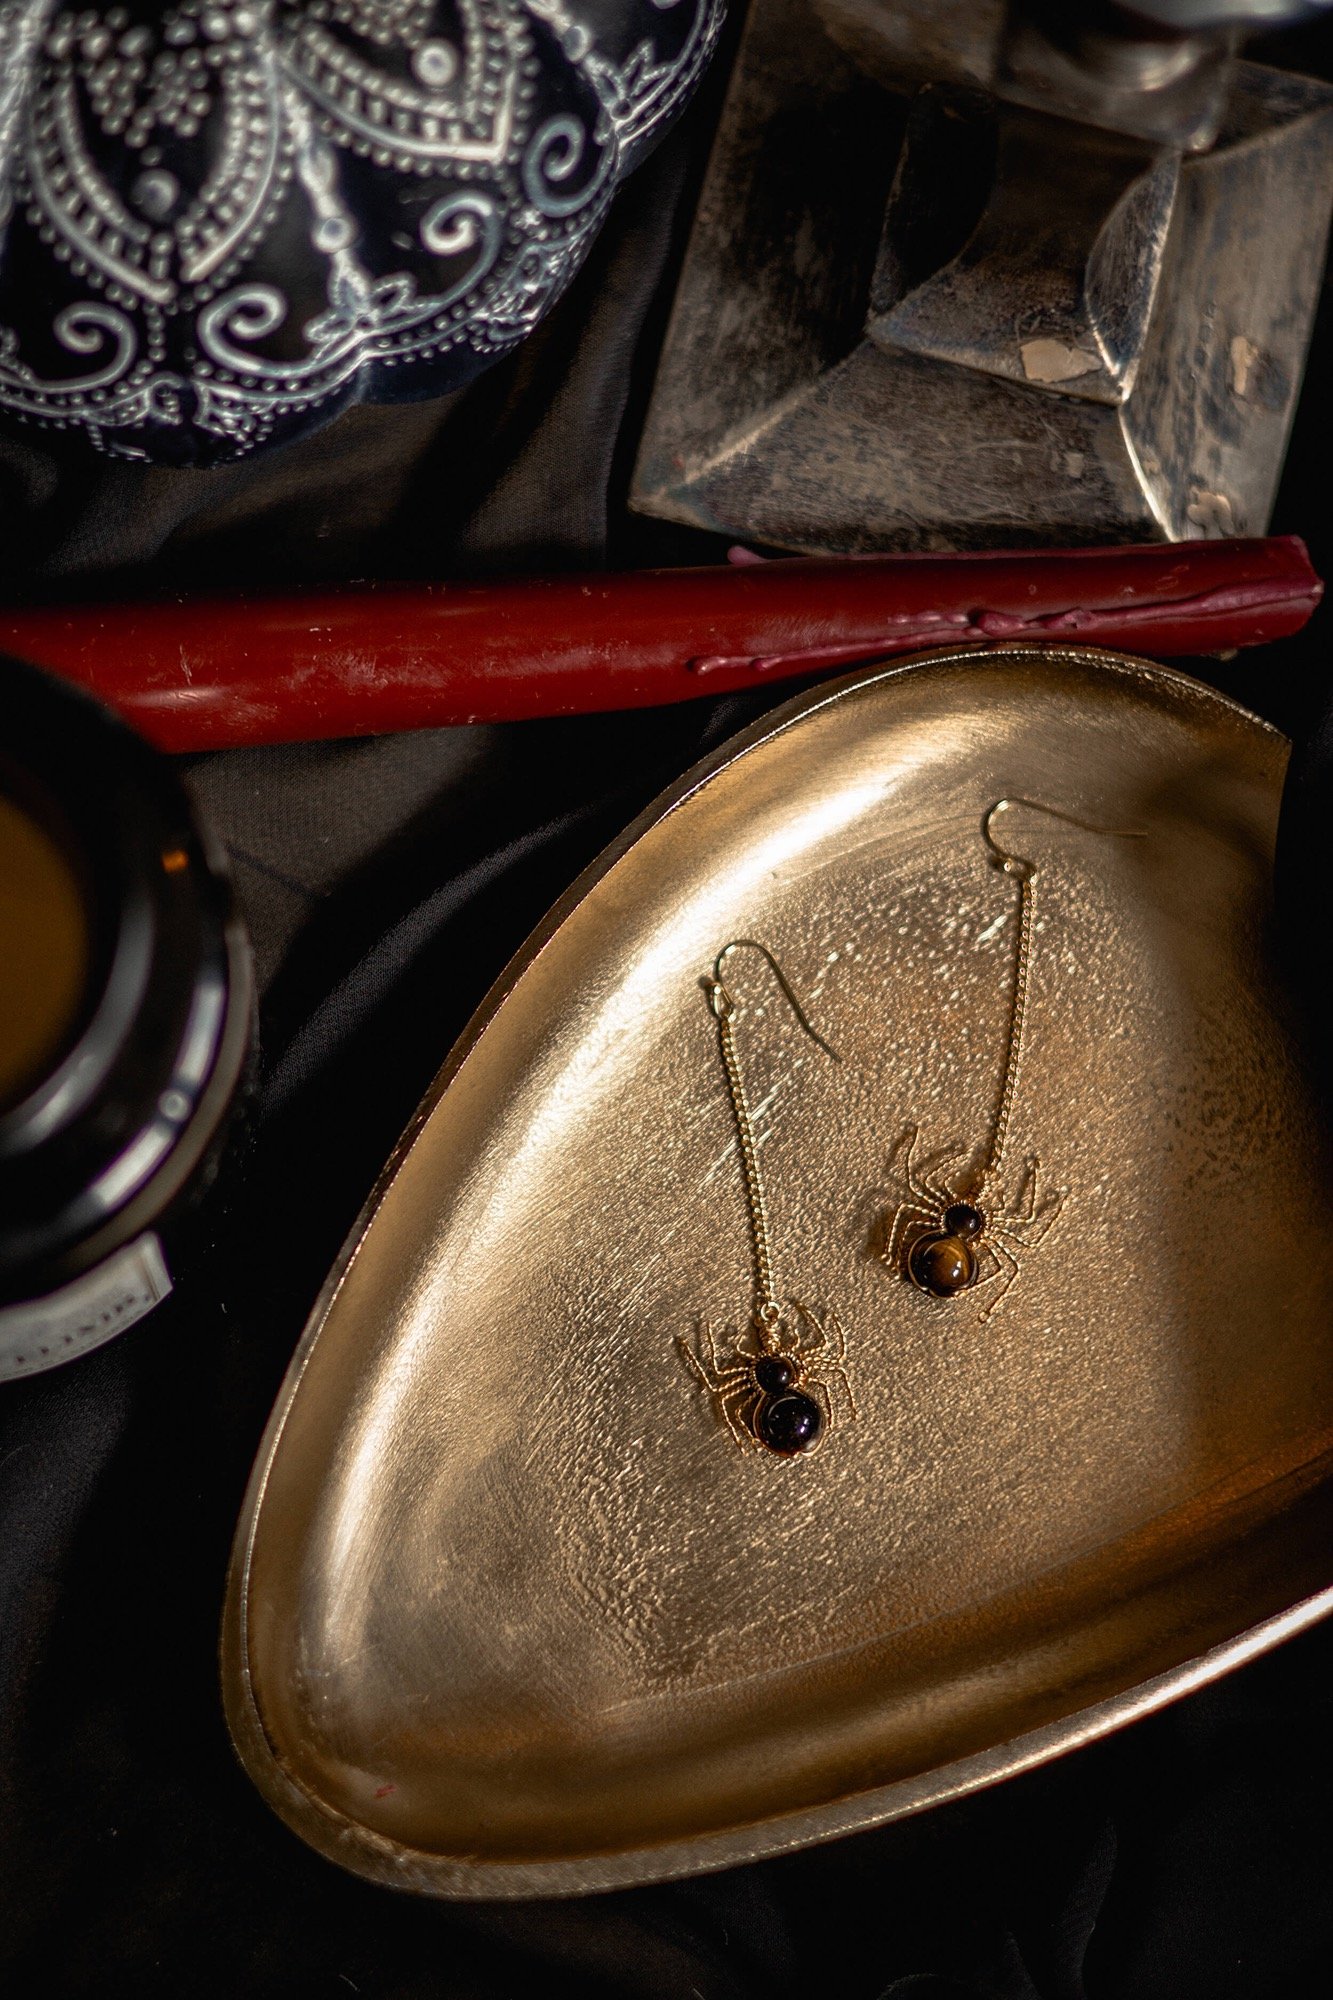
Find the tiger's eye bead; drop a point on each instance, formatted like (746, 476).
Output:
(961, 1219)
(772, 1374)
(942, 1265)
(789, 1424)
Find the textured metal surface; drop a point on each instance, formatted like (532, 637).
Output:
(1093, 64)
(511, 1613)
(955, 325)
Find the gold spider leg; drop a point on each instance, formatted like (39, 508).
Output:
(1027, 1192)
(729, 1383)
(986, 1253)
(1006, 1235)
(1006, 1270)
(905, 1164)
(701, 1354)
(824, 1336)
(839, 1379)
(952, 1180)
(717, 1377)
(908, 1213)
(933, 1183)
(829, 1342)
(812, 1335)
(736, 1402)
(1031, 1221)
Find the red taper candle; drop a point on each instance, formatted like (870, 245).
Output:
(214, 674)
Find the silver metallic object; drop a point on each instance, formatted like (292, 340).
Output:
(1048, 276)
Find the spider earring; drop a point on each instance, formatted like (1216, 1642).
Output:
(777, 1382)
(955, 1234)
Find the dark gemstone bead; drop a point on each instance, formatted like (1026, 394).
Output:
(961, 1219)
(942, 1265)
(789, 1424)
(773, 1374)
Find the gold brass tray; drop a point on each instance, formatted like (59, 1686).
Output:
(510, 1612)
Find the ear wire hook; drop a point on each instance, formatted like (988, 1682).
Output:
(724, 1006)
(1021, 866)
(768, 1306)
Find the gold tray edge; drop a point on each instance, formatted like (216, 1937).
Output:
(381, 1860)
(456, 1878)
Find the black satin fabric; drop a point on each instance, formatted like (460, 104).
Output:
(1189, 1858)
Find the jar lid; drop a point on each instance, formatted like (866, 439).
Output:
(121, 1037)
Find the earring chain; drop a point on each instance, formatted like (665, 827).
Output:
(1017, 1023)
(1024, 870)
(768, 1306)
(766, 1299)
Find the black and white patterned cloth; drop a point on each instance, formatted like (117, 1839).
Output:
(226, 220)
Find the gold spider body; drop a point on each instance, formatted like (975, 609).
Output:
(947, 1237)
(780, 1383)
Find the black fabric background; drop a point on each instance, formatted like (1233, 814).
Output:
(1189, 1858)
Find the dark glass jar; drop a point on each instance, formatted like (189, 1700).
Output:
(125, 1016)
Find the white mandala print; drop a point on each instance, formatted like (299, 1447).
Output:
(223, 220)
